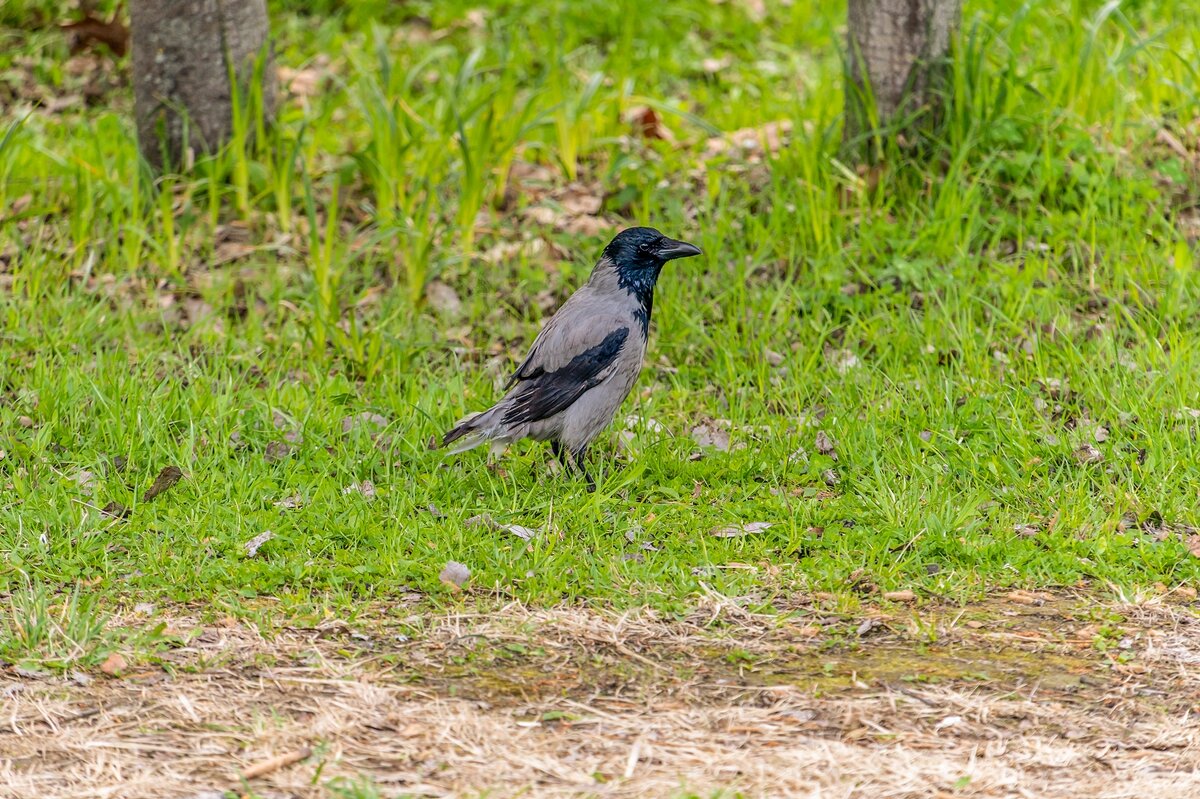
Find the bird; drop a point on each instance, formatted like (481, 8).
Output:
(585, 360)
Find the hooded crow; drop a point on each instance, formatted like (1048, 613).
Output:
(586, 359)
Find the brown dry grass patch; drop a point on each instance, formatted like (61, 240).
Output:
(999, 699)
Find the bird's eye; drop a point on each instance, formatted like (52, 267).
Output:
(644, 247)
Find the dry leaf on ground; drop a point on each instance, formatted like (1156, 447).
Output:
(113, 665)
(739, 530)
(307, 81)
(91, 30)
(252, 546)
(455, 574)
(85, 480)
(751, 141)
(290, 503)
(168, 477)
(842, 360)
(277, 451)
(711, 434)
(366, 488)
(523, 533)
(443, 298)
(648, 124)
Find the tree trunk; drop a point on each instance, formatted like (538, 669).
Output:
(183, 54)
(895, 50)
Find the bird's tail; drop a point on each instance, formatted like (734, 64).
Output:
(468, 433)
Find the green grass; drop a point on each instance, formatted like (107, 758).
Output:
(958, 321)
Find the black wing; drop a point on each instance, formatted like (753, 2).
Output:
(541, 394)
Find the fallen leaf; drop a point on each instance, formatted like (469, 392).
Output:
(443, 298)
(115, 510)
(825, 444)
(709, 434)
(714, 65)
(366, 488)
(1027, 530)
(113, 665)
(949, 721)
(1025, 598)
(541, 215)
(926, 435)
(169, 476)
(900, 596)
(633, 421)
(275, 763)
(1193, 545)
(1088, 454)
(482, 520)
(647, 123)
(588, 225)
(746, 141)
(578, 199)
(85, 480)
(290, 503)
(842, 361)
(866, 626)
(455, 574)
(91, 30)
(1165, 137)
(25, 422)
(739, 530)
(1100, 434)
(277, 451)
(830, 477)
(253, 544)
(300, 82)
(772, 358)
(523, 533)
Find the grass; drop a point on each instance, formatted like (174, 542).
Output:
(958, 320)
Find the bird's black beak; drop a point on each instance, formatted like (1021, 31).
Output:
(670, 249)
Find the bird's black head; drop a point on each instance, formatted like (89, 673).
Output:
(637, 254)
(644, 249)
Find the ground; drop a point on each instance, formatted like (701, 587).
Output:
(1024, 694)
(910, 376)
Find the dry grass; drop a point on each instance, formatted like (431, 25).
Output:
(579, 703)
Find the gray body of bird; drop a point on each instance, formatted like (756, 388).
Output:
(587, 357)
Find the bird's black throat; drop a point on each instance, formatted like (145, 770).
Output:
(639, 282)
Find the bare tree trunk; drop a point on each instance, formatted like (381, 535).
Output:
(183, 54)
(895, 50)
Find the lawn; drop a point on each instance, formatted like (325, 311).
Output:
(970, 364)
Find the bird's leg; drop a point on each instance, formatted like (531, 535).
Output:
(556, 448)
(578, 457)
